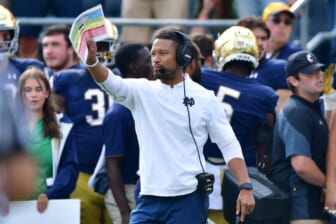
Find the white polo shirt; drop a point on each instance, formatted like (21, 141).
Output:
(169, 159)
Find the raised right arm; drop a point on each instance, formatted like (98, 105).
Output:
(105, 78)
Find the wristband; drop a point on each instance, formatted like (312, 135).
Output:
(247, 186)
(93, 65)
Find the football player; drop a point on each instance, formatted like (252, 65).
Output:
(86, 103)
(246, 102)
(57, 50)
(10, 66)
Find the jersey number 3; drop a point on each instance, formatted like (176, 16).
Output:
(99, 106)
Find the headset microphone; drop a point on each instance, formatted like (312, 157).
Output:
(164, 70)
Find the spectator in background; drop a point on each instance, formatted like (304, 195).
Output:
(28, 38)
(160, 9)
(121, 144)
(252, 7)
(205, 43)
(279, 19)
(111, 8)
(212, 9)
(10, 66)
(51, 143)
(204, 12)
(300, 141)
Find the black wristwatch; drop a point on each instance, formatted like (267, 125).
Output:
(247, 186)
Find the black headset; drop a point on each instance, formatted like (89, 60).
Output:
(183, 51)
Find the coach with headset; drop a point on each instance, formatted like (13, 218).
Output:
(173, 118)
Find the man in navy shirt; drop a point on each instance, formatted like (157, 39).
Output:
(279, 19)
(300, 141)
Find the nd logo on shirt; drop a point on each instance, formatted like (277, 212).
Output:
(254, 75)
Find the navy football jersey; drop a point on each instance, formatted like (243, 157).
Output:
(271, 72)
(246, 103)
(11, 72)
(50, 73)
(86, 106)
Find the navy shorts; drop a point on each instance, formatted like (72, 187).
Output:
(306, 202)
(190, 208)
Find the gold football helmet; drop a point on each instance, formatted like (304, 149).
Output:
(236, 43)
(106, 48)
(8, 23)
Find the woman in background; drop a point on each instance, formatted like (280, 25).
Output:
(50, 141)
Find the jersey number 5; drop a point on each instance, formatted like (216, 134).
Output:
(226, 91)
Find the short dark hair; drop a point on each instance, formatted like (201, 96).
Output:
(242, 64)
(290, 86)
(194, 51)
(171, 35)
(252, 22)
(59, 29)
(177, 37)
(126, 55)
(205, 43)
(166, 29)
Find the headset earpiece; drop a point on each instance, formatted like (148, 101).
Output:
(183, 51)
